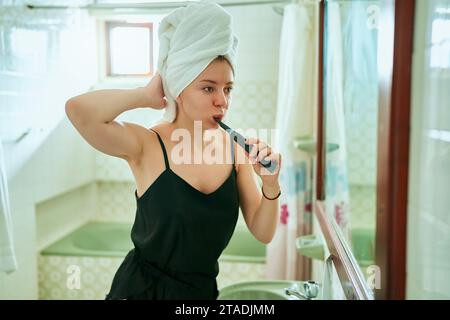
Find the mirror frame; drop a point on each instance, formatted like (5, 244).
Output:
(395, 40)
(348, 271)
(397, 27)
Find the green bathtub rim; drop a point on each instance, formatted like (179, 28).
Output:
(246, 242)
(66, 248)
(82, 253)
(240, 259)
(253, 295)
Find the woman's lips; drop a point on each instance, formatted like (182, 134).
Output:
(218, 118)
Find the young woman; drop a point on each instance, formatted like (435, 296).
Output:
(186, 213)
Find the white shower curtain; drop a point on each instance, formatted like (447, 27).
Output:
(337, 200)
(337, 185)
(297, 91)
(8, 261)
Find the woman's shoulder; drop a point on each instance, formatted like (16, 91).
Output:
(162, 129)
(149, 135)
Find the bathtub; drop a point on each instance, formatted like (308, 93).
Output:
(94, 239)
(82, 264)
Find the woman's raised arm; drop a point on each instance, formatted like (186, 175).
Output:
(93, 114)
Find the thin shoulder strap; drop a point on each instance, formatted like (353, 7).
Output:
(166, 160)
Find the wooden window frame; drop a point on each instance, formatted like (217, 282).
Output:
(111, 24)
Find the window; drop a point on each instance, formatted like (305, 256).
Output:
(129, 49)
(440, 39)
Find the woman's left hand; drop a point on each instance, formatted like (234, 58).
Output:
(260, 151)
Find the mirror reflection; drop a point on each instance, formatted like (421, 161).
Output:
(351, 111)
(74, 183)
(75, 187)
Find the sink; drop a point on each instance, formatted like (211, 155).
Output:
(249, 294)
(260, 290)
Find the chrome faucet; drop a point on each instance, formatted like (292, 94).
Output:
(311, 289)
(294, 291)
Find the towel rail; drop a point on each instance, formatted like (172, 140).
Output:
(160, 5)
(18, 139)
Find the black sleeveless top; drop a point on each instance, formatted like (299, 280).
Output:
(178, 234)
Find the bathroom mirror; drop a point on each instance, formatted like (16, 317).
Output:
(350, 95)
(77, 205)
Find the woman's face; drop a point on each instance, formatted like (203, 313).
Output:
(208, 96)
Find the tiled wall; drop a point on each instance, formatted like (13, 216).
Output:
(361, 137)
(96, 275)
(116, 201)
(361, 132)
(362, 206)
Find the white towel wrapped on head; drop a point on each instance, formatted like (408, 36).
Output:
(191, 37)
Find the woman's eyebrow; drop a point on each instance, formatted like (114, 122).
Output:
(212, 81)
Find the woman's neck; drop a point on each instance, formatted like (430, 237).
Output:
(196, 130)
(184, 123)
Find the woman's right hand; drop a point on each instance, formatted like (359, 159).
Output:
(155, 93)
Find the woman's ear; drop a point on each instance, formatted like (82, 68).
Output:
(178, 100)
(177, 107)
